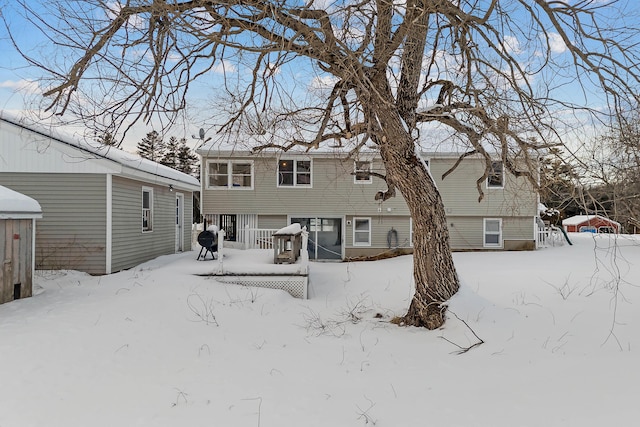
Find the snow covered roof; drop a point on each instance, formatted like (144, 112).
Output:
(289, 230)
(434, 141)
(212, 151)
(14, 205)
(579, 219)
(126, 160)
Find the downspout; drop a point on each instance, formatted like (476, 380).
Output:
(109, 224)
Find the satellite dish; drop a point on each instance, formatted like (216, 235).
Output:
(201, 133)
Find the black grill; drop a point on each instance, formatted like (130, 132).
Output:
(209, 242)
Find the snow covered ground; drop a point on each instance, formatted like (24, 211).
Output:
(160, 346)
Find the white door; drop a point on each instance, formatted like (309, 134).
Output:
(179, 222)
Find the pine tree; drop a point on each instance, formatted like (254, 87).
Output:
(187, 161)
(170, 157)
(107, 138)
(559, 187)
(151, 147)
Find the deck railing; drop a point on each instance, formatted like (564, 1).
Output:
(257, 238)
(296, 283)
(549, 236)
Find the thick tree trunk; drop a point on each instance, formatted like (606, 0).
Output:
(434, 273)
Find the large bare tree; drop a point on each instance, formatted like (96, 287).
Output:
(492, 73)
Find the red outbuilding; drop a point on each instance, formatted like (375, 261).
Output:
(590, 224)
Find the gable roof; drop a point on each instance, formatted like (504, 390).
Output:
(579, 219)
(17, 205)
(111, 159)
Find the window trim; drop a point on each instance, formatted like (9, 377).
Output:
(496, 187)
(295, 173)
(149, 209)
(485, 233)
(230, 175)
(354, 231)
(369, 178)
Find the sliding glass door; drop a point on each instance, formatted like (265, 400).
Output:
(325, 237)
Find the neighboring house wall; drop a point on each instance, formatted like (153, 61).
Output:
(72, 233)
(132, 245)
(91, 199)
(334, 194)
(595, 224)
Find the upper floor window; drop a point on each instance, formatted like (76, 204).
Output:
(230, 174)
(362, 172)
(294, 173)
(496, 176)
(147, 209)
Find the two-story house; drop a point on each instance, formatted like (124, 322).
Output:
(334, 197)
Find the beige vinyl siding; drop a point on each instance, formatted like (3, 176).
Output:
(272, 221)
(460, 194)
(380, 228)
(72, 231)
(132, 246)
(468, 232)
(334, 194)
(333, 191)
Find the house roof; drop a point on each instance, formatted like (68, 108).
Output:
(211, 151)
(17, 205)
(580, 219)
(434, 140)
(130, 165)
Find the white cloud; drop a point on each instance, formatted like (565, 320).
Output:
(221, 67)
(113, 9)
(512, 45)
(25, 86)
(323, 82)
(556, 44)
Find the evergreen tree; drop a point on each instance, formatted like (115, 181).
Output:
(151, 147)
(559, 184)
(170, 157)
(187, 161)
(107, 138)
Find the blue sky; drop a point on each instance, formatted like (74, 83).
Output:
(15, 79)
(17, 82)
